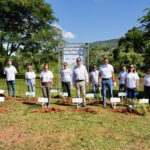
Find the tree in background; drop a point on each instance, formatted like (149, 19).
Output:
(25, 29)
(130, 50)
(145, 21)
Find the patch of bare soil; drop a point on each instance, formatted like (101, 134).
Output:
(20, 99)
(55, 96)
(63, 102)
(148, 109)
(5, 109)
(49, 110)
(87, 110)
(125, 111)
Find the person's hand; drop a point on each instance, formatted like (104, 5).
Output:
(27, 84)
(74, 85)
(87, 84)
(100, 84)
(51, 86)
(40, 86)
(91, 84)
(137, 87)
(114, 83)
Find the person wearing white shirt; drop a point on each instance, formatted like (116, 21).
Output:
(106, 78)
(80, 80)
(94, 81)
(131, 82)
(66, 75)
(147, 84)
(10, 72)
(30, 79)
(121, 77)
(46, 82)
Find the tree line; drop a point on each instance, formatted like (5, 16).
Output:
(133, 48)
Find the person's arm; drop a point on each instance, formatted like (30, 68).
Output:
(137, 84)
(52, 82)
(113, 76)
(99, 79)
(26, 82)
(40, 82)
(86, 77)
(73, 79)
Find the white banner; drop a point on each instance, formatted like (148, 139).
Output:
(71, 54)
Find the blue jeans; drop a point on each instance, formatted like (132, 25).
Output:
(121, 86)
(106, 83)
(30, 85)
(131, 93)
(9, 84)
(96, 89)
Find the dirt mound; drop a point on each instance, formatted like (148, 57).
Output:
(63, 102)
(125, 111)
(5, 109)
(148, 109)
(89, 110)
(33, 100)
(49, 110)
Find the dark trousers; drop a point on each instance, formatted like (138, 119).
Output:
(131, 93)
(66, 87)
(147, 91)
(121, 87)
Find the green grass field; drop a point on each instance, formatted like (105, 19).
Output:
(23, 130)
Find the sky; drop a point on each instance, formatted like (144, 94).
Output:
(96, 20)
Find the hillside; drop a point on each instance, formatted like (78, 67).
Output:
(111, 43)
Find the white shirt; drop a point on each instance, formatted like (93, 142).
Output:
(30, 75)
(79, 73)
(46, 76)
(106, 71)
(66, 75)
(147, 80)
(122, 77)
(131, 79)
(94, 76)
(10, 73)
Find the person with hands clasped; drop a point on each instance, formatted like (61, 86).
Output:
(66, 75)
(106, 78)
(131, 82)
(46, 82)
(80, 80)
(94, 81)
(30, 79)
(121, 77)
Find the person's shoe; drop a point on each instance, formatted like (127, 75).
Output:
(112, 106)
(95, 98)
(104, 106)
(84, 105)
(48, 105)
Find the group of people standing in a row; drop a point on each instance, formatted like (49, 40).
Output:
(104, 77)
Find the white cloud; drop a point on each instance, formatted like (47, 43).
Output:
(66, 35)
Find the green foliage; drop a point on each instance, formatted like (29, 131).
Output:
(97, 55)
(25, 27)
